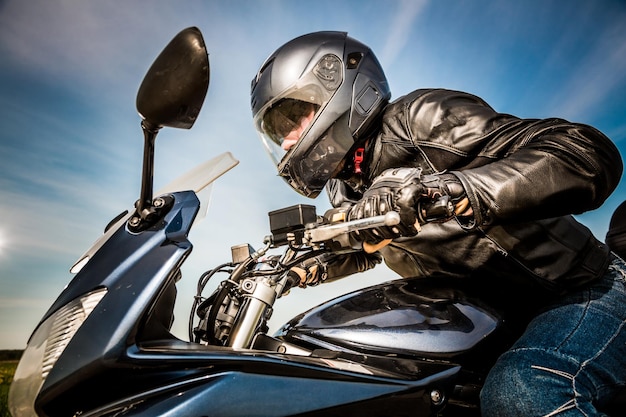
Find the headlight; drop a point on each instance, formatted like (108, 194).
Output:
(44, 349)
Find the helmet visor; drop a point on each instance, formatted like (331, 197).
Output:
(287, 116)
(293, 122)
(283, 124)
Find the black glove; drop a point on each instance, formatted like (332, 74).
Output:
(330, 267)
(310, 272)
(418, 199)
(443, 197)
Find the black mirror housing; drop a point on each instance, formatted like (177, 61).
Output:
(174, 88)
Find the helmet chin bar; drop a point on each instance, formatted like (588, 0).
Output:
(307, 168)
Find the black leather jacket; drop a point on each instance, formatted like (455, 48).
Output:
(524, 179)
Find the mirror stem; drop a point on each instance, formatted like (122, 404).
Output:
(145, 200)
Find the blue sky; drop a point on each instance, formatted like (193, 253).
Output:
(71, 145)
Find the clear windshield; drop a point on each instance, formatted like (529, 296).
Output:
(202, 175)
(197, 179)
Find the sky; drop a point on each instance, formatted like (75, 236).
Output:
(71, 143)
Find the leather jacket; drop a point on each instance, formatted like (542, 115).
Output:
(524, 178)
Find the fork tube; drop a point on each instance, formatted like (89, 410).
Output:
(262, 296)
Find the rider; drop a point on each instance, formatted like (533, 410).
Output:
(508, 187)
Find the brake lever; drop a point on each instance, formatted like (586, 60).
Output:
(325, 233)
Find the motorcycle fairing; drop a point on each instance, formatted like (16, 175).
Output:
(219, 381)
(135, 269)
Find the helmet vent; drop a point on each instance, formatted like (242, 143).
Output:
(353, 60)
(328, 71)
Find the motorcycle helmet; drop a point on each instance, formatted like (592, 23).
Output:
(329, 88)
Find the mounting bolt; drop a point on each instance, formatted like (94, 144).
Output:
(248, 286)
(158, 202)
(436, 397)
(134, 221)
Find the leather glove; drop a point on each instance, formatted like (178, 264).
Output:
(442, 189)
(418, 199)
(310, 272)
(329, 267)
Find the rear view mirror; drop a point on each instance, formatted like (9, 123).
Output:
(171, 94)
(173, 90)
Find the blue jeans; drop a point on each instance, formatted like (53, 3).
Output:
(570, 361)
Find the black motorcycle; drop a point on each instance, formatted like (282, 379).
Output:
(409, 347)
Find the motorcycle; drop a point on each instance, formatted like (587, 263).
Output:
(407, 347)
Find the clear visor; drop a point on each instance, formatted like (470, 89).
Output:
(289, 116)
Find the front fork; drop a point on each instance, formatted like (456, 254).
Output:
(259, 299)
(259, 295)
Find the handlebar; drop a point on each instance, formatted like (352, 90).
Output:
(427, 212)
(327, 232)
(239, 307)
(300, 223)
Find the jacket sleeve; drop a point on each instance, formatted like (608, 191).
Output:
(341, 266)
(562, 168)
(515, 169)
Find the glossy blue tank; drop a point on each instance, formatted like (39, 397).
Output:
(413, 317)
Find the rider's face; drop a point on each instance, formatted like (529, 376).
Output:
(292, 137)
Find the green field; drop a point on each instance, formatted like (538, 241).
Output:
(7, 368)
(8, 363)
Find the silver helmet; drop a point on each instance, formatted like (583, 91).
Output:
(327, 87)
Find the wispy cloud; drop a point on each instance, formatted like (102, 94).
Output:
(82, 42)
(600, 73)
(407, 13)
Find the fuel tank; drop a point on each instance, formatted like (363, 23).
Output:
(422, 317)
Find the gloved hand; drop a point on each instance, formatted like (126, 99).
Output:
(441, 187)
(330, 267)
(310, 272)
(418, 199)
